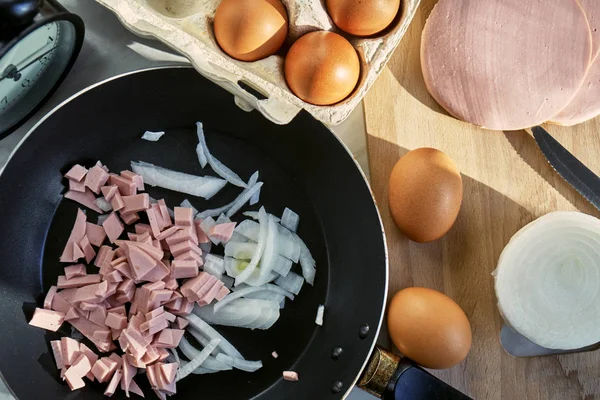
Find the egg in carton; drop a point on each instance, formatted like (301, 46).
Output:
(187, 27)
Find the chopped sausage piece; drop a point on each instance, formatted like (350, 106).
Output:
(130, 218)
(86, 199)
(290, 376)
(77, 233)
(168, 232)
(183, 216)
(181, 323)
(113, 227)
(87, 249)
(109, 192)
(116, 321)
(73, 379)
(138, 202)
(70, 350)
(135, 178)
(57, 352)
(76, 173)
(95, 234)
(222, 232)
(96, 178)
(140, 262)
(49, 297)
(47, 319)
(164, 212)
(113, 277)
(126, 187)
(76, 186)
(184, 269)
(73, 271)
(202, 236)
(117, 202)
(77, 282)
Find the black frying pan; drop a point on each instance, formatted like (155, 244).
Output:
(304, 167)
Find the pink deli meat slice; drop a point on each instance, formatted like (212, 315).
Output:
(86, 199)
(47, 319)
(76, 173)
(95, 233)
(77, 233)
(96, 178)
(480, 74)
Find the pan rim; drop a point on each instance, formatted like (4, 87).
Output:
(357, 165)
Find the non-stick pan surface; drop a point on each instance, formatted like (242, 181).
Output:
(304, 167)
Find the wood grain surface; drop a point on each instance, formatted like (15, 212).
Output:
(507, 183)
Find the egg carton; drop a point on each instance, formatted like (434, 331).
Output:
(187, 27)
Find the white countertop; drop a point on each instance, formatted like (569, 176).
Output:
(109, 49)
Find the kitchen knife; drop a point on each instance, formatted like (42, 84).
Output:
(568, 167)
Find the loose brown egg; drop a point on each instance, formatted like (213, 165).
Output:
(429, 328)
(322, 68)
(249, 30)
(425, 194)
(363, 17)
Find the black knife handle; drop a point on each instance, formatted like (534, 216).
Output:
(411, 382)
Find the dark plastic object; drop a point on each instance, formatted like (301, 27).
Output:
(16, 15)
(411, 382)
(304, 167)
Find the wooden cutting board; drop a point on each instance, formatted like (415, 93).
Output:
(507, 183)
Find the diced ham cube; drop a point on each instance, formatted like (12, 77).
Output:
(47, 319)
(96, 178)
(114, 382)
(116, 321)
(86, 199)
(153, 219)
(130, 218)
(184, 269)
(185, 308)
(124, 270)
(135, 178)
(191, 255)
(57, 352)
(222, 293)
(163, 354)
(151, 356)
(183, 235)
(76, 173)
(70, 350)
(126, 187)
(49, 297)
(202, 236)
(117, 202)
(183, 247)
(73, 379)
(101, 371)
(76, 282)
(181, 323)
(102, 335)
(183, 216)
(71, 314)
(164, 212)
(113, 277)
(168, 232)
(113, 227)
(95, 234)
(169, 338)
(222, 232)
(211, 294)
(76, 186)
(140, 262)
(87, 249)
(109, 191)
(81, 367)
(93, 357)
(76, 235)
(138, 202)
(290, 376)
(171, 284)
(145, 238)
(169, 371)
(105, 254)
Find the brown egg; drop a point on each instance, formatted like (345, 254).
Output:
(425, 194)
(249, 30)
(429, 328)
(363, 17)
(322, 68)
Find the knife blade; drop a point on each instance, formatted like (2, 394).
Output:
(568, 166)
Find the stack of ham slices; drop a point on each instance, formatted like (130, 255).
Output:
(134, 298)
(514, 64)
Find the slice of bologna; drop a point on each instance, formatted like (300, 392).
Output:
(586, 103)
(505, 64)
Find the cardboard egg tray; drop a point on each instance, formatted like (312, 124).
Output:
(187, 27)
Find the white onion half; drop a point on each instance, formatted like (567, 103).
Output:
(548, 281)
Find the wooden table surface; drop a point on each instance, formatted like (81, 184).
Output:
(507, 183)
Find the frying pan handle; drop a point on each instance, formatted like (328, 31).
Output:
(393, 378)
